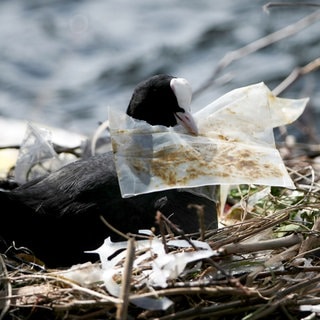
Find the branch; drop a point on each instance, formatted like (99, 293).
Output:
(122, 309)
(261, 245)
(295, 74)
(257, 45)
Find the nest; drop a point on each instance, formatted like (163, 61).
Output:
(266, 264)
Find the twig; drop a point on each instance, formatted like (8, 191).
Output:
(15, 146)
(113, 228)
(73, 285)
(257, 45)
(101, 129)
(5, 287)
(312, 241)
(122, 308)
(252, 227)
(200, 212)
(295, 74)
(297, 287)
(289, 4)
(217, 291)
(179, 231)
(215, 311)
(162, 232)
(261, 245)
(262, 312)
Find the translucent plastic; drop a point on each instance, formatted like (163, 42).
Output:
(36, 155)
(235, 145)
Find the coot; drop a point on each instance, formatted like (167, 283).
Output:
(57, 216)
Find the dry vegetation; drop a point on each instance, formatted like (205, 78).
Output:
(267, 264)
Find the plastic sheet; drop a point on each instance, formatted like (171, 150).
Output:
(36, 151)
(235, 145)
(164, 266)
(37, 156)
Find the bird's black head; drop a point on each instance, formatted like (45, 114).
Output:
(163, 100)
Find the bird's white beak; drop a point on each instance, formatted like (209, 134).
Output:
(186, 120)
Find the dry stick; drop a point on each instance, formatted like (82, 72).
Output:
(215, 311)
(262, 312)
(261, 245)
(297, 287)
(122, 308)
(178, 230)
(216, 291)
(282, 297)
(289, 4)
(282, 215)
(113, 228)
(162, 231)
(14, 146)
(274, 260)
(97, 134)
(312, 241)
(200, 213)
(305, 177)
(295, 74)
(5, 283)
(257, 45)
(73, 285)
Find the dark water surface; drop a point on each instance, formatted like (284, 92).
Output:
(64, 62)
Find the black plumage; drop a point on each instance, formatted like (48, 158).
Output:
(153, 92)
(57, 216)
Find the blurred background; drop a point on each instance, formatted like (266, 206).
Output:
(64, 62)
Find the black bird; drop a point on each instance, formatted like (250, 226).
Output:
(57, 216)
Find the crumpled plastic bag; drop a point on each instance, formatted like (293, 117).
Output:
(235, 145)
(36, 155)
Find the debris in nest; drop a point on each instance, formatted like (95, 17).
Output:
(235, 145)
(268, 257)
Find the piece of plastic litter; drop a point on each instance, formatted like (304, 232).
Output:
(37, 156)
(235, 145)
(161, 303)
(36, 149)
(170, 266)
(157, 267)
(164, 266)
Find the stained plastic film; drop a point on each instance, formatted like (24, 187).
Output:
(235, 145)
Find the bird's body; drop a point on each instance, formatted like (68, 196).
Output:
(57, 216)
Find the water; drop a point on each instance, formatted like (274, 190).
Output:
(63, 63)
